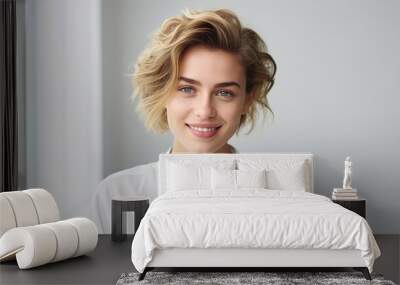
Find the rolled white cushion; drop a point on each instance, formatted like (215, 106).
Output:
(46, 206)
(67, 239)
(40, 244)
(23, 208)
(27, 208)
(33, 246)
(7, 218)
(87, 233)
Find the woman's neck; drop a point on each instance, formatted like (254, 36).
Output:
(227, 148)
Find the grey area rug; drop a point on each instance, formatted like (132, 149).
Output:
(228, 278)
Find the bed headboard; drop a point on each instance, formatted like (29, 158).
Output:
(238, 159)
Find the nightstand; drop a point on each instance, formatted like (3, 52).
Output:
(119, 207)
(358, 206)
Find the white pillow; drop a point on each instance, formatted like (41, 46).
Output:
(185, 175)
(281, 174)
(235, 179)
(251, 178)
(288, 179)
(223, 179)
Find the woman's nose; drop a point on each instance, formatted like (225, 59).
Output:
(205, 107)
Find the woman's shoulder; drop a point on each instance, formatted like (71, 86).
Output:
(144, 170)
(144, 173)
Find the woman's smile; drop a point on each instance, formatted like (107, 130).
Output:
(203, 132)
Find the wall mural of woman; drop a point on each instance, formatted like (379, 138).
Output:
(203, 78)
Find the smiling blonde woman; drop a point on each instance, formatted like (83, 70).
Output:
(203, 77)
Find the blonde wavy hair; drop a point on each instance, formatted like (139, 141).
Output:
(157, 69)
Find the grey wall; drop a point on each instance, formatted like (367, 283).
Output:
(63, 101)
(336, 92)
(125, 31)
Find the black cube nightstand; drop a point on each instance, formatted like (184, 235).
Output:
(358, 206)
(119, 206)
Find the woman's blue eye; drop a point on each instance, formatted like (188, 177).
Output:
(228, 94)
(223, 93)
(185, 89)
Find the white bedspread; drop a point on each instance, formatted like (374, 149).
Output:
(251, 218)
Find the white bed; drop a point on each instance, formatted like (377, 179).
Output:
(230, 219)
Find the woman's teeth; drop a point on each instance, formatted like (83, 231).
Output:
(203, 132)
(203, 129)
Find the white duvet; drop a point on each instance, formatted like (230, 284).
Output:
(251, 218)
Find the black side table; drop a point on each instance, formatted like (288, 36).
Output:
(357, 206)
(119, 206)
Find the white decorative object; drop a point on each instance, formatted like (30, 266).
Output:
(31, 231)
(346, 192)
(37, 245)
(347, 174)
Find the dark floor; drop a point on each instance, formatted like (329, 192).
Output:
(110, 260)
(388, 263)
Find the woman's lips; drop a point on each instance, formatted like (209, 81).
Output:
(203, 134)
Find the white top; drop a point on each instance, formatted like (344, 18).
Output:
(138, 181)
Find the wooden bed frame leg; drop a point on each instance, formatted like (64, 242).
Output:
(364, 271)
(143, 274)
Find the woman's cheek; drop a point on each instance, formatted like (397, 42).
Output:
(176, 109)
(232, 115)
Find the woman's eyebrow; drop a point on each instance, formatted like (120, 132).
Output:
(222, 84)
(229, 83)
